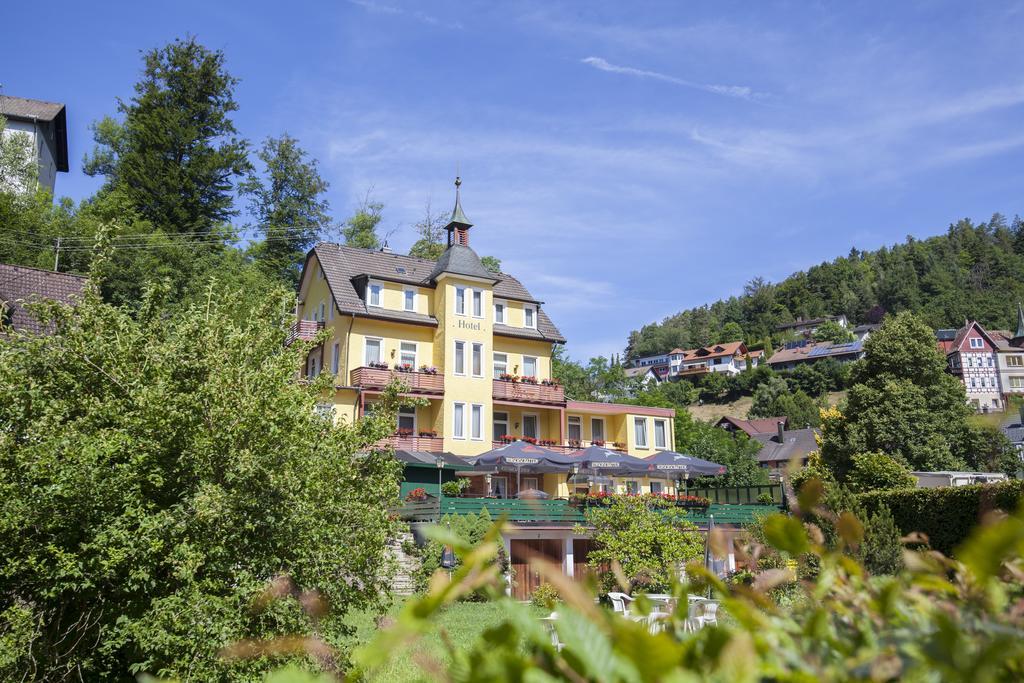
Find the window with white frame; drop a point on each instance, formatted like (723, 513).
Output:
(530, 426)
(459, 420)
(335, 357)
(476, 422)
(500, 365)
(1017, 382)
(977, 343)
(596, 429)
(499, 312)
(478, 303)
(660, 435)
(407, 420)
(408, 354)
(499, 427)
(409, 299)
(460, 301)
(330, 309)
(530, 316)
(575, 428)
(640, 431)
(374, 294)
(460, 358)
(1015, 361)
(374, 351)
(529, 366)
(478, 359)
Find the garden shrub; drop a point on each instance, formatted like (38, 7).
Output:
(946, 515)
(545, 596)
(878, 472)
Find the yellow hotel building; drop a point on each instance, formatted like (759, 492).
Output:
(457, 334)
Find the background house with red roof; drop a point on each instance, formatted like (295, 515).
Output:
(971, 355)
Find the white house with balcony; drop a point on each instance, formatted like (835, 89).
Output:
(42, 127)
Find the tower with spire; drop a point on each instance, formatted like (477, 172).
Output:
(458, 227)
(1018, 336)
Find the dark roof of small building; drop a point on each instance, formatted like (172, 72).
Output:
(427, 459)
(797, 443)
(344, 265)
(763, 425)
(20, 285)
(459, 259)
(24, 108)
(815, 351)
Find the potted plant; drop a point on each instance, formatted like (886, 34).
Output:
(528, 379)
(404, 367)
(428, 369)
(455, 488)
(530, 439)
(403, 432)
(428, 433)
(597, 442)
(507, 377)
(377, 365)
(508, 438)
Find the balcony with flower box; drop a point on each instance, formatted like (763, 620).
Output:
(426, 380)
(528, 390)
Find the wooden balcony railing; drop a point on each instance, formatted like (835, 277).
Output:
(560, 448)
(524, 392)
(430, 444)
(304, 330)
(418, 382)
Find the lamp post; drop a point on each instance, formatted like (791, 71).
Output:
(685, 483)
(439, 461)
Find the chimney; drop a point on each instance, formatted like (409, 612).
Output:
(385, 248)
(780, 427)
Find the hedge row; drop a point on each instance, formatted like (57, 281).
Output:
(946, 514)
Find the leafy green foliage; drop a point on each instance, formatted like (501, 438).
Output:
(989, 450)
(430, 229)
(472, 529)
(946, 515)
(903, 403)
(288, 205)
(878, 472)
(545, 596)
(649, 544)
(156, 471)
(774, 399)
(831, 331)
(970, 271)
(19, 168)
(737, 452)
(491, 263)
(360, 230)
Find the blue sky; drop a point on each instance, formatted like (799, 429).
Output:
(625, 160)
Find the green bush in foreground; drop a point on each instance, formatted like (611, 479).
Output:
(938, 619)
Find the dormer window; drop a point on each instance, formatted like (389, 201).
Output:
(530, 316)
(409, 300)
(374, 294)
(977, 343)
(499, 312)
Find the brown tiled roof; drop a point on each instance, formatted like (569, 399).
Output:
(20, 285)
(342, 265)
(713, 351)
(816, 351)
(1003, 340)
(763, 425)
(23, 108)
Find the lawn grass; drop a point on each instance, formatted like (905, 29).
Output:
(463, 622)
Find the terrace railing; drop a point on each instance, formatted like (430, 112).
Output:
(305, 330)
(525, 392)
(430, 444)
(418, 382)
(738, 495)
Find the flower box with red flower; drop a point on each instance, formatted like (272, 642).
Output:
(508, 377)
(530, 439)
(528, 379)
(417, 494)
(428, 433)
(547, 442)
(428, 369)
(405, 432)
(508, 438)
(404, 367)
(597, 442)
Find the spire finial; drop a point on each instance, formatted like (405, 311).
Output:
(1020, 321)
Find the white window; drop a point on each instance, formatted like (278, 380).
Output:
(335, 357)
(373, 351)
(499, 487)
(478, 303)
(529, 316)
(409, 299)
(1017, 382)
(408, 354)
(374, 294)
(460, 301)
(478, 360)
(529, 366)
(575, 431)
(499, 312)
(530, 426)
(459, 420)
(1015, 361)
(460, 358)
(476, 422)
(500, 426)
(330, 309)
(977, 343)
(407, 420)
(660, 435)
(500, 365)
(596, 429)
(640, 431)
(323, 312)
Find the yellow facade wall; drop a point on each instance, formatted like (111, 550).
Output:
(515, 349)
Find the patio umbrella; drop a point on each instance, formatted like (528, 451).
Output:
(670, 461)
(595, 479)
(532, 493)
(600, 459)
(521, 455)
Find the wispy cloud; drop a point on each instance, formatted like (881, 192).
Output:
(740, 91)
(422, 17)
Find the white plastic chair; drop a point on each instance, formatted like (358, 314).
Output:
(620, 602)
(710, 616)
(694, 615)
(549, 623)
